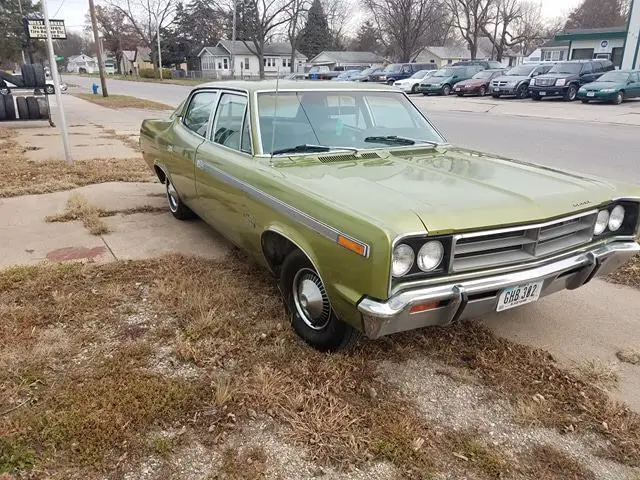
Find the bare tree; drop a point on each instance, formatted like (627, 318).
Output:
(470, 18)
(499, 29)
(296, 13)
(407, 26)
(148, 17)
(531, 29)
(338, 13)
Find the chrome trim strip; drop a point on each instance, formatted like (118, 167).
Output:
(288, 210)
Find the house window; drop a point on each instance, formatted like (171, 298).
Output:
(246, 63)
(219, 65)
(208, 63)
(225, 63)
(270, 62)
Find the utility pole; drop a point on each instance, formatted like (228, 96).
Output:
(56, 84)
(159, 52)
(233, 43)
(22, 16)
(96, 37)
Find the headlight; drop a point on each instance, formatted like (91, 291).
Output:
(616, 219)
(402, 260)
(436, 84)
(601, 222)
(582, 89)
(560, 82)
(608, 90)
(430, 256)
(533, 81)
(382, 77)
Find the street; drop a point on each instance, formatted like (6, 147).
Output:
(598, 149)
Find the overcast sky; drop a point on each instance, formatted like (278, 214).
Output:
(73, 11)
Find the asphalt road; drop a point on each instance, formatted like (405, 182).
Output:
(600, 149)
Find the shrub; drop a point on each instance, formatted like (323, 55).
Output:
(151, 73)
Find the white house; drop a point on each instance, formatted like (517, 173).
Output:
(346, 59)
(82, 64)
(447, 55)
(215, 62)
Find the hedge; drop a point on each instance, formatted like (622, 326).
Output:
(151, 73)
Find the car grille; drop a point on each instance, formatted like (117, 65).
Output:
(504, 247)
(501, 83)
(425, 84)
(545, 82)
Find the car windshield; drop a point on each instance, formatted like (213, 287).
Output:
(566, 67)
(617, 77)
(420, 74)
(393, 68)
(483, 74)
(367, 71)
(521, 71)
(445, 72)
(348, 119)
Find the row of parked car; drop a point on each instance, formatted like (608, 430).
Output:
(586, 80)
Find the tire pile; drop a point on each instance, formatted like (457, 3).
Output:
(29, 107)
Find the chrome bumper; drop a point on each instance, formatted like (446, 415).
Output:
(471, 298)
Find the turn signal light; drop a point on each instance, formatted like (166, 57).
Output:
(352, 245)
(423, 307)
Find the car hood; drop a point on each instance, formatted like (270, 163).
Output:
(557, 75)
(473, 82)
(448, 189)
(601, 85)
(510, 78)
(437, 80)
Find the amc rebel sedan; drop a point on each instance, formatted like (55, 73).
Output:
(369, 219)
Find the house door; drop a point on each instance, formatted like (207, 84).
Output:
(582, 54)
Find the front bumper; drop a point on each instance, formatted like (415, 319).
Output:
(472, 298)
(597, 95)
(503, 90)
(423, 89)
(549, 91)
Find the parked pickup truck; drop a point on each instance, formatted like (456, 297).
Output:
(321, 72)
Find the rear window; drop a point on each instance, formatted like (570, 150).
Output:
(566, 67)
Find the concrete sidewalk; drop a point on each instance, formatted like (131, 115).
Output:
(626, 114)
(28, 239)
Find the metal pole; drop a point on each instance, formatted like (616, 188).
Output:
(159, 52)
(96, 37)
(233, 42)
(56, 85)
(22, 49)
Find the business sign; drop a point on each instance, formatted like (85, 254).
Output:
(603, 46)
(36, 29)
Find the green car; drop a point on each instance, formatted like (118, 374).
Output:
(442, 82)
(614, 86)
(370, 221)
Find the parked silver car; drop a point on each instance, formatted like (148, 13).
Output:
(516, 81)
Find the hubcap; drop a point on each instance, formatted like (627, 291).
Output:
(310, 299)
(172, 196)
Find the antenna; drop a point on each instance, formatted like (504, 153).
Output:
(275, 113)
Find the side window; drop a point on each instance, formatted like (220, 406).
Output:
(245, 141)
(197, 116)
(389, 113)
(227, 126)
(586, 69)
(635, 77)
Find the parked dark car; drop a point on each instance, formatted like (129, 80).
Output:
(400, 71)
(441, 82)
(486, 64)
(516, 81)
(565, 78)
(478, 84)
(366, 74)
(612, 87)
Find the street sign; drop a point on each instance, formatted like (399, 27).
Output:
(36, 29)
(59, 58)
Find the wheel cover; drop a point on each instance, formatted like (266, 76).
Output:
(172, 196)
(49, 89)
(310, 299)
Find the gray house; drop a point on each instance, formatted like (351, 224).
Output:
(215, 62)
(334, 59)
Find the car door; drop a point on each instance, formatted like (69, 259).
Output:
(586, 74)
(188, 133)
(634, 87)
(223, 163)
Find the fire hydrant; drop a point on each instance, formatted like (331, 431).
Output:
(95, 87)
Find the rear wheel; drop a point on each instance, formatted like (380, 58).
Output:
(309, 308)
(571, 94)
(446, 90)
(619, 98)
(177, 208)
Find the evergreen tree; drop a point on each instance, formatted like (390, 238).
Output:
(367, 38)
(315, 36)
(598, 14)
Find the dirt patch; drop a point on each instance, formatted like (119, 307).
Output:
(629, 355)
(123, 101)
(628, 274)
(177, 358)
(24, 177)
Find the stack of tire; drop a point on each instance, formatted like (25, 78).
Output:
(25, 108)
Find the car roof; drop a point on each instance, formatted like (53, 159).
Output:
(298, 85)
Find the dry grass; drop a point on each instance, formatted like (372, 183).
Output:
(548, 463)
(79, 208)
(123, 101)
(96, 395)
(629, 274)
(24, 177)
(597, 373)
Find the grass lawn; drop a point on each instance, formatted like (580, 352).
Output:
(24, 177)
(104, 368)
(123, 101)
(175, 81)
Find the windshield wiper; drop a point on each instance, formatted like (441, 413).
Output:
(396, 140)
(308, 148)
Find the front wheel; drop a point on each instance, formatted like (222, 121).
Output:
(308, 306)
(571, 94)
(390, 82)
(619, 98)
(536, 97)
(482, 92)
(177, 208)
(446, 90)
(522, 91)
(414, 89)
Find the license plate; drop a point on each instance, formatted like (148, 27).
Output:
(542, 94)
(457, 89)
(591, 94)
(496, 89)
(519, 295)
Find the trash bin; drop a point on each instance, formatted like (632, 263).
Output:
(95, 87)
(314, 76)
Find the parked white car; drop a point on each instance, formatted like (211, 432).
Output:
(410, 85)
